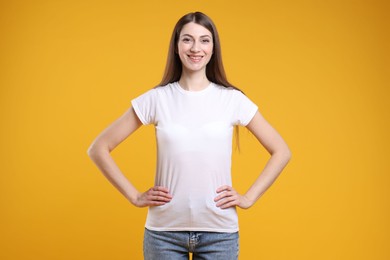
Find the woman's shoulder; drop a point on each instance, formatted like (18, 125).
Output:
(165, 88)
(158, 90)
(228, 90)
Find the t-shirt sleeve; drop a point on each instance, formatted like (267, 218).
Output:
(145, 107)
(245, 109)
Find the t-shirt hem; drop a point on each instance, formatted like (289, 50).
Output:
(200, 229)
(138, 112)
(250, 116)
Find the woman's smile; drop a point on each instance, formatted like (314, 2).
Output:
(195, 58)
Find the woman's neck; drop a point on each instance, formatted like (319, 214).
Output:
(193, 81)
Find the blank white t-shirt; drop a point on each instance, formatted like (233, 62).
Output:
(194, 132)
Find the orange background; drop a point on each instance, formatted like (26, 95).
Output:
(319, 71)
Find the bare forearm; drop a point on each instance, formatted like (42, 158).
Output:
(111, 171)
(270, 173)
(228, 197)
(100, 149)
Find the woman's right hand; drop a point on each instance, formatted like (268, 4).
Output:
(155, 196)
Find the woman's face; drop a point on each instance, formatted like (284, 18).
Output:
(195, 47)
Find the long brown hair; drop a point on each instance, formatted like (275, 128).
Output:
(215, 71)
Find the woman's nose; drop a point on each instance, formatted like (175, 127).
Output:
(195, 47)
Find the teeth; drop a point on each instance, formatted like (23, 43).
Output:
(195, 58)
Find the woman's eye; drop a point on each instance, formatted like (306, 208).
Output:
(206, 41)
(186, 39)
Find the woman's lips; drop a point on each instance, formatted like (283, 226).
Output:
(195, 58)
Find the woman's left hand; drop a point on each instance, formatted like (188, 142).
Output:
(229, 197)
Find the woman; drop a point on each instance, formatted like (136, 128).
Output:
(192, 207)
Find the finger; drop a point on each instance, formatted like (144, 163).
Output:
(160, 198)
(229, 200)
(156, 190)
(224, 188)
(153, 200)
(162, 191)
(157, 197)
(226, 201)
(156, 203)
(225, 194)
(219, 197)
(160, 188)
(229, 205)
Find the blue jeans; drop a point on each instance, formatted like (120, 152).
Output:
(176, 245)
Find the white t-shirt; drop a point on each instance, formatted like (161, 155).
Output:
(194, 144)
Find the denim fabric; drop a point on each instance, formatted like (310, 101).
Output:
(176, 245)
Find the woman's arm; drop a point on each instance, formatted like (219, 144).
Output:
(280, 155)
(99, 152)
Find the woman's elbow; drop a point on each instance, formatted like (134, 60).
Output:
(286, 154)
(283, 154)
(94, 150)
(91, 151)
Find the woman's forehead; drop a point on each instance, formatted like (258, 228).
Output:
(194, 29)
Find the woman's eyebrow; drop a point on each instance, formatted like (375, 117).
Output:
(189, 35)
